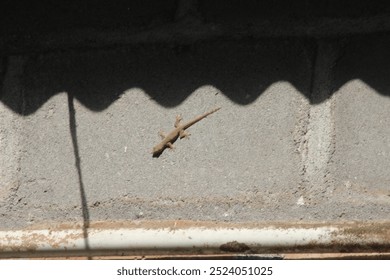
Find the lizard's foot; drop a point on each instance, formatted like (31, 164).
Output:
(170, 146)
(184, 134)
(178, 120)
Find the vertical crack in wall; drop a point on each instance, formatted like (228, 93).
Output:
(83, 197)
(303, 117)
(320, 128)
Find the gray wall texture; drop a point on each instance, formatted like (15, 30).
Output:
(303, 133)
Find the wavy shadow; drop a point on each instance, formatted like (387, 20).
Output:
(366, 58)
(169, 74)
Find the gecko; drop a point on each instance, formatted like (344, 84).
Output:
(178, 131)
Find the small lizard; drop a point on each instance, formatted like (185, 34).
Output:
(178, 131)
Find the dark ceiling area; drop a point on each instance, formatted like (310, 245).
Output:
(26, 16)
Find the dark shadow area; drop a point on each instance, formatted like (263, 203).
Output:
(242, 71)
(28, 17)
(83, 197)
(19, 17)
(253, 10)
(3, 70)
(366, 58)
(169, 73)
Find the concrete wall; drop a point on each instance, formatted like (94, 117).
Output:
(302, 135)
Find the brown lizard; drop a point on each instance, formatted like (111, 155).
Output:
(178, 131)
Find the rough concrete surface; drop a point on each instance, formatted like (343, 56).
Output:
(302, 134)
(232, 168)
(83, 125)
(362, 113)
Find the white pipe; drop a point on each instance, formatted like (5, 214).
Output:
(189, 238)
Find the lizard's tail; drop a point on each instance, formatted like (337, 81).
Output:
(198, 118)
(210, 112)
(214, 110)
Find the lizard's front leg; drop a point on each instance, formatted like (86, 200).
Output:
(178, 120)
(162, 134)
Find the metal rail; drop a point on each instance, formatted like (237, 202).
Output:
(195, 238)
